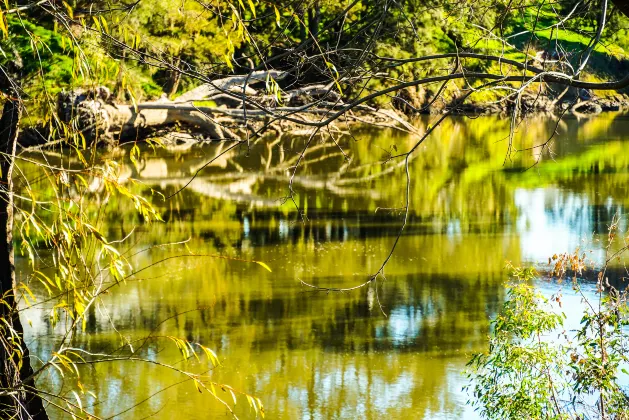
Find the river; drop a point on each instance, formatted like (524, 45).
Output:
(395, 349)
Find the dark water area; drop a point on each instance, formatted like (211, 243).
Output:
(473, 206)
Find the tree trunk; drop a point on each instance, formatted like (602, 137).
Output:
(303, 35)
(314, 19)
(16, 374)
(101, 120)
(126, 122)
(175, 78)
(98, 118)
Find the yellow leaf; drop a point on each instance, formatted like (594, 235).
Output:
(3, 25)
(53, 364)
(196, 384)
(104, 24)
(68, 9)
(135, 105)
(263, 265)
(277, 15)
(228, 61)
(233, 396)
(78, 400)
(252, 7)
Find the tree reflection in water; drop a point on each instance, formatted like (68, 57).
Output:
(312, 355)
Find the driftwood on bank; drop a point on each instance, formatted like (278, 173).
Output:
(234, 84)
(240, 106)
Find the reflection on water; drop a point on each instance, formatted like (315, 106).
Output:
(320, 356)
(552, 220)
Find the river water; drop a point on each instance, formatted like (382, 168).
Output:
(395, 351)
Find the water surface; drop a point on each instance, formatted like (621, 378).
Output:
(394, 349)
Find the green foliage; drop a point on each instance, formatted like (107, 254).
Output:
(221, 37)
(43, 51)
(513, 380)
(535, 369)
(189, 31)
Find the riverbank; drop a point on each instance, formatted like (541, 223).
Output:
(218, 111)
(548, 104)
(548, 99)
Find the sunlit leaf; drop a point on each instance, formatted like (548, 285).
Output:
(277, 16)
(263, 265)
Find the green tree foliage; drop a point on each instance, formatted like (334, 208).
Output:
(190, 34)
(536, 368)
(318, 40)
(515, 378)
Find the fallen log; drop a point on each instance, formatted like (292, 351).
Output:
(94, 114)
(308, 94)
(98, 118)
